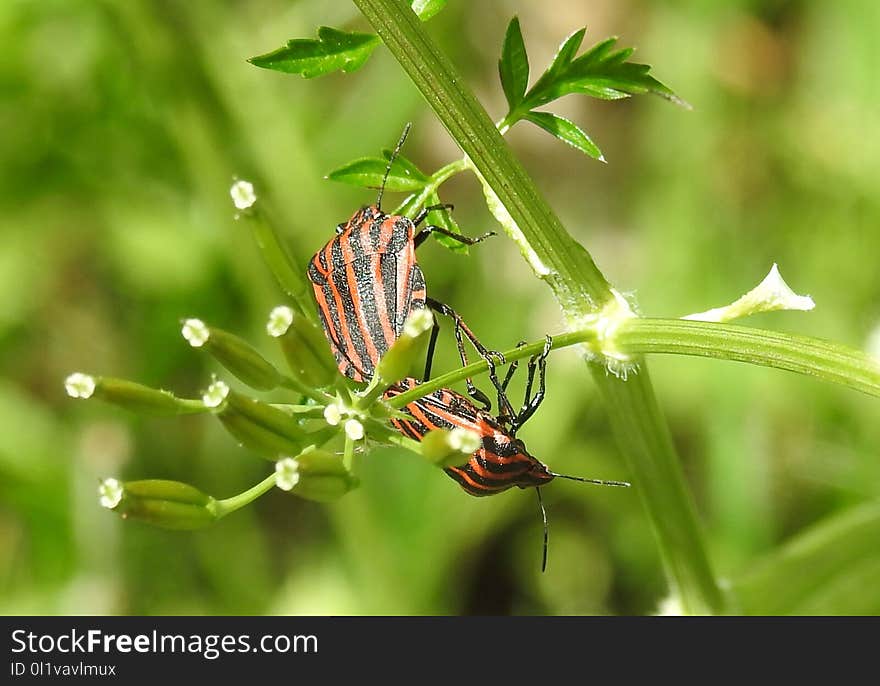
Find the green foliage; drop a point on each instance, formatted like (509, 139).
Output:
(601, 72)
(513, 67)
(425, 9)
(334, 50)
(566, 131)
(369, 172)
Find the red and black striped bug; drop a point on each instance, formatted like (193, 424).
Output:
(367, 281)
(502, 460)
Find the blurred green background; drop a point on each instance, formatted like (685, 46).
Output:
(123, 125)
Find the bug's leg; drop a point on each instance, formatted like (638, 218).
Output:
(472, 390)
(505, 409)
(432, 343)
(530, 402)
(466, 240)
(420, 217)
(492, 357)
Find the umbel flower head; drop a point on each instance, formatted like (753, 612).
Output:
(311, 431)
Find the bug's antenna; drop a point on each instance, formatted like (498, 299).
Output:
(600, 482)
(546, 529)
(391, 161)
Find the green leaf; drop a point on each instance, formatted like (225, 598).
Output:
(444, 219)
(368, 172)
(334, 50)
(425, 9)
(600, 73)
(408, 167)
(566, 131)
(566, 52)
(513, 66)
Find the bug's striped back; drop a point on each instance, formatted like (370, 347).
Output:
(500, 462)
(366, 282)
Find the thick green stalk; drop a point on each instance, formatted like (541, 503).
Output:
(578, 285)
(816, 357)
(572, 274)
(811, 356)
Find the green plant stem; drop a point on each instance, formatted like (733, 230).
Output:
(576, 282)
(348, 455)
(811, 356)
(279, 261)
(298, 386)
(823, 359)
(438, 178)
(227, 505)
(574, 276)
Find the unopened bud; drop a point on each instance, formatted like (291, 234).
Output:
(242, 194)
(216, 394)
(196, 332)
(304, 346)
(314, 474)
(450, 448)
(286, 473)
(333, 414)
(128, 395)
(264, 429)
(280, 319)
(354, 429)
(109, 493)
(234, 353)
(79, 385)
(400, 357)
(167, 504)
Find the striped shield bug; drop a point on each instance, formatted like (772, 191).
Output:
(367, 280)
(502, 460)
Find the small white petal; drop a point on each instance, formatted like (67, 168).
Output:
(464, 440)
(768, 296)
(354, 429)
(196, 332)
(774, 294)
(418, 322)
(79, 385)
(109, 493)
(242, 193)
(333, 414)
(286, 473)
(280, 320)
(215, 394)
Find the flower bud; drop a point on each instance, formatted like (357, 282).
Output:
(234, 353)
(261, 427)
(397, 362)
(354, 429)
(314, 474)
(242, 194)
(304, 346)
(167, 504)
(129, 395)
(450, 448)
